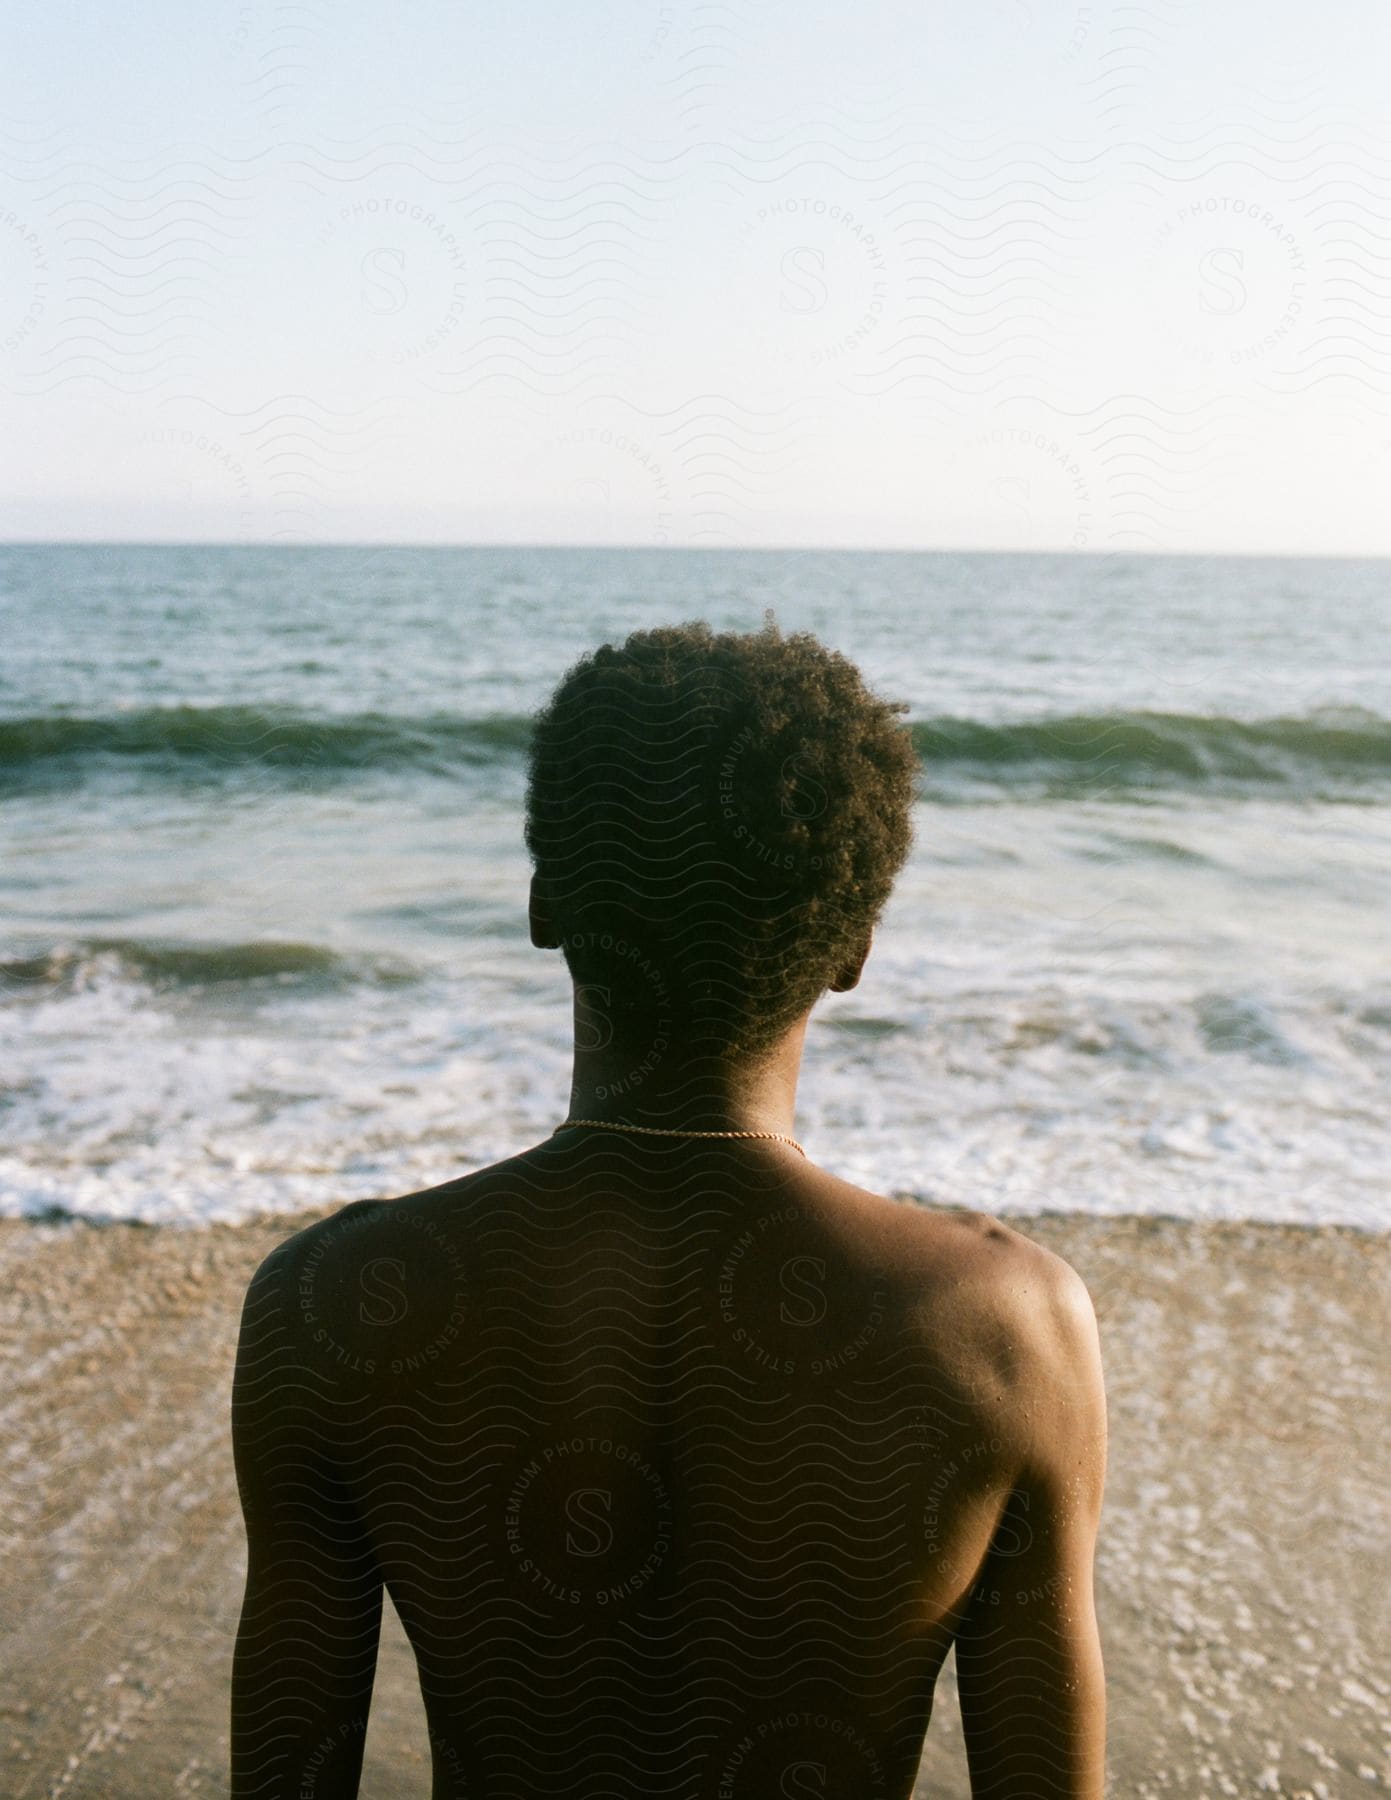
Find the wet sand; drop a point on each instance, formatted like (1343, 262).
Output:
(1244, 1574)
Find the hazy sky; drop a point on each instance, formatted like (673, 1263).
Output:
(1002, 274)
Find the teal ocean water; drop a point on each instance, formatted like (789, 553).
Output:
(262, 880)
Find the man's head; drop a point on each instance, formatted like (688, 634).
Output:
(716, 821)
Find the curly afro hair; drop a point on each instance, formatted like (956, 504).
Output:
(716, 821)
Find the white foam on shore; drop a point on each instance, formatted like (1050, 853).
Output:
(1054, 1102)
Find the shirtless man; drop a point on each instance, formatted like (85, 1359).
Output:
(684, 1461)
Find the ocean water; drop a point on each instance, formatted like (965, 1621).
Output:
(262, 882)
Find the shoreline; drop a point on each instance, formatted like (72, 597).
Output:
(1241, 1573)
(1049, 1218)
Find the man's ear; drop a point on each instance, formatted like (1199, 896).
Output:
(850, 975)
(543, 933)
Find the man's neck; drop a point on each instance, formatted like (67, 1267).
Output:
(661, 1082)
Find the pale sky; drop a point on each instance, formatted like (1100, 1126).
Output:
(1002, 275)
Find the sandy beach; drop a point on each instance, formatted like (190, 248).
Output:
(1244, 1573)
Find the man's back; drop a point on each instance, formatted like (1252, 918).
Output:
(684, 1465)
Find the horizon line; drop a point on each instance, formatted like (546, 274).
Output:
(1098, 551)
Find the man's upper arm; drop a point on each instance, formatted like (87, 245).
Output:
(1028, 1653)
(306, 1647)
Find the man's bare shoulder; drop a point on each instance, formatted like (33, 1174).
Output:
(269, 1305)
(1022, 1308)
(960, 1243)
(312, 1239)
(1020, 1276)
(1025, 1290)
(1032, 1324)
(1021, 1268)
(348, 1225)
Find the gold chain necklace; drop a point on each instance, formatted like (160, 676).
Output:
(663, 1131)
